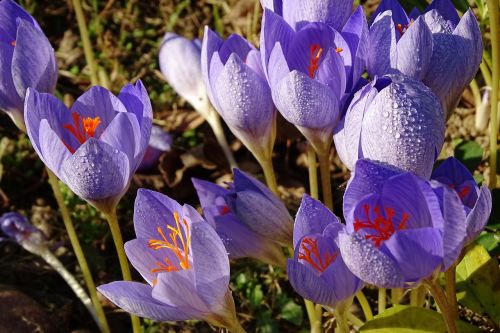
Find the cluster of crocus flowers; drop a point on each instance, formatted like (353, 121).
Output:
(27, 60)
(249, 218)
(96, 146)
(183, 261)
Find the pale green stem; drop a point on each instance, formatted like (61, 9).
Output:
(365, 306)
(314, 321)
(396, 294)
(493, 9)
(267, 167)
(355, 320)
(214, 121)
(486, 73)
(122, 258)
(441, 301)
(476, 92)
(340, 313)
(80, 257)
(326, 183)
(87, 46)
(451, 290)
(382, 294)
(313, 171)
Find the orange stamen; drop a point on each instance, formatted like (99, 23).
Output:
(384, 227)
(82, 128)
(316, 51)
(181, 251)
(339, 49)
(13, 43)
(309, 252)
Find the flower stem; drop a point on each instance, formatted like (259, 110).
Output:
(441, 301)
(237, 328)
(326, 184)
(382, 294)
(87, 46)
(267, 167)
(451, 290)
(493, 9)
(213, 120)
(117, 239)
(340, 313)
(80, 257)
(396, 294)
(52, 260)
(365, 306)
(313, 171)
(314, 321)
(355, 320)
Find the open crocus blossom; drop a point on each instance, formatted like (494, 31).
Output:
(437, 47)
(477, 202)
(183, 261)
(312, 70)
(243, 236)
(159, 142)
(399, 231)
(237, 87)
(402, 113)
(297, 12)
(253, 205)
(317, 271)
(97, 145)
(26, 60)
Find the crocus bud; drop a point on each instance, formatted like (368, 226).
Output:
(18, 228)
(26, 60)
(395, 120)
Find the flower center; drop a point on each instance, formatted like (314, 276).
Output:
(381, 228)
(464, 191)
(403, 27)
(178, 242)
(82, 128)
(310, 253)
(316, 52)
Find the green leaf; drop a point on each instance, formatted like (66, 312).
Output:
(411, 319)
(478, 283)
(470, 153)
(293, 313)
(256, 296)
(490, 241)
(461, 5)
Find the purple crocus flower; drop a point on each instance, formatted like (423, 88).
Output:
(437, 47)
(398, 231)
(159, 142)
(237, 87)
(312, 71)
(477, 202)
(18, 228)
(97, 145)
(396, 120)
(297, 12)
(251, 220)
(26, 60)
(317, 271)
(183, 261)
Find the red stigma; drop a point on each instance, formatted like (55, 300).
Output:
(82, 128)
(316, 51)
(309, 252)
(383, 227)
(224, 210)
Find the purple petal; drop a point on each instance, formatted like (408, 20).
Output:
(136, 298)
(254, 62)
(414, 50)
(235, 44)
(10, 12)
(398, 13)
(446, 10)
(381, 45)
(153, 210)
(454, 174)
(436, 23)
(33, 63)
(278, 67)
(369, 263)
(208, 192)
(312, 218)
(414, 14)
(274, 29)
(211, 44)
(478, 216)
(96, 171)
(417, 252)
(51, 149)
(332, 12)
(331, 72)
(274, 5)
(9, 98)
(412, 138)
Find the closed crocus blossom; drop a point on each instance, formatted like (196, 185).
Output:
(241, 239)
(159, 142)
(477, 201)
(317, 271)
(18, 228)
(96, 146)
(396, 120)
(26, 60)
(398, 231)
(237, 87)
(252, 203)
(183, 261)
(312, 70)
(437, 47)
